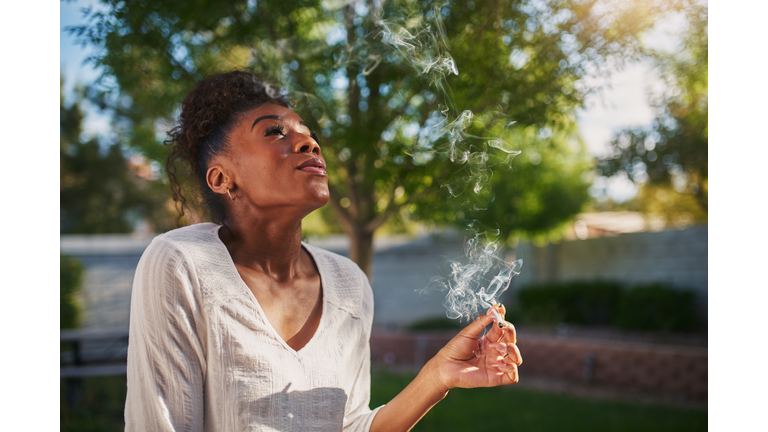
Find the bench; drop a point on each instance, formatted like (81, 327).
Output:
(104, 361)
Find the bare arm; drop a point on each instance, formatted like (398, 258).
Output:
(456, 365)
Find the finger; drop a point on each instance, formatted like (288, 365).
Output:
(509, 371)
(513, 374)
(513, 355)
(505, 333)
(501, 348)
(496, 334)
(509, 332)
(507, 353)
(475, 327)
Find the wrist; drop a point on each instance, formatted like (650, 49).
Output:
(433, 377)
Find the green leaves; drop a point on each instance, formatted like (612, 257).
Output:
(99, 193)
(376, 80)
(671, 157)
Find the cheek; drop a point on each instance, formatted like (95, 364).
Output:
(255, 169)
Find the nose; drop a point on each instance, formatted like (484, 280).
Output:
(307, 144)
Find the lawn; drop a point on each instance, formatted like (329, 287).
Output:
(524, 410)
(100, 408)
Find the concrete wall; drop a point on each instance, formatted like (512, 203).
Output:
(401, 274)
(110, 262)
(678, 257)
(403, 267)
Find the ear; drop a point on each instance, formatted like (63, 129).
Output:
(218, 180)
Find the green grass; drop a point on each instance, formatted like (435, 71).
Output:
(523, 410)
(102, 400)
(99, 408)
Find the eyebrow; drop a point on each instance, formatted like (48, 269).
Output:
(274, 117)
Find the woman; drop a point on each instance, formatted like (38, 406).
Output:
(242, 327)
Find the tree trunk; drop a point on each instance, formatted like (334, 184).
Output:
(361, 249)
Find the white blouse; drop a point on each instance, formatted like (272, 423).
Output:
(203, 357)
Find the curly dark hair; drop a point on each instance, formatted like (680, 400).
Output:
(208, 114)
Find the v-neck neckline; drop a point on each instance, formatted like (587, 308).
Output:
(260, 310)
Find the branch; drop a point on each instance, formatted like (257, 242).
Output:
(341, 212)
(394, 208)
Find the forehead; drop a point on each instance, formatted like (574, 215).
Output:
(285, 114)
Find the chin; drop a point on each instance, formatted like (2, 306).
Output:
(319, 197)
(323, 200)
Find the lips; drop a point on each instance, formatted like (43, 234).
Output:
(313, 165)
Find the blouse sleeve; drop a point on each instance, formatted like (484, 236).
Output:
(359, 416)
(166, 360)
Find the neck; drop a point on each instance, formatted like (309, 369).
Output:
(267, 243)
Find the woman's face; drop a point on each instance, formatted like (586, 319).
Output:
(275, 161)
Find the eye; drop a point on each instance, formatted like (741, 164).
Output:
(277, 129)
(314, 136)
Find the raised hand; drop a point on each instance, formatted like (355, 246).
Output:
(465, 361)
(468, 362)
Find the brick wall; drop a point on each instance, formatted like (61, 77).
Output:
(652, 368)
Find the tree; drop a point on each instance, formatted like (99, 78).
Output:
(378, 79)
(98, 192)
(542, 189)
(669, 159)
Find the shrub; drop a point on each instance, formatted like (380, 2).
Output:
(70, 284)
(648, 307)
(578, 302)
(656, 307)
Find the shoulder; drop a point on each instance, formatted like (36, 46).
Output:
(345, 284)
(192, 235)
(186, 240)
(181, 247)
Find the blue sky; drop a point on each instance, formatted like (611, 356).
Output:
(622, 105)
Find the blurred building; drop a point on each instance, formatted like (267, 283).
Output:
(606, 224)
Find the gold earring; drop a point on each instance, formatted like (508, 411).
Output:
(230, 195)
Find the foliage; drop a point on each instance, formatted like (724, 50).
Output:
(645, 307)
(670, 158)
(373, 77)
(99, 406)
(656, 307)
(98, 192)
(541, 190)
(70, 285)
(578, 302)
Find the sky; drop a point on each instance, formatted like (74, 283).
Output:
(623, 104)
